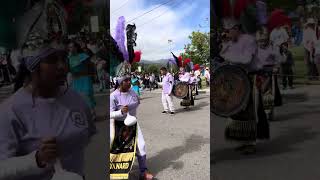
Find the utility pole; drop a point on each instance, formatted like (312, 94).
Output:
(170, 46)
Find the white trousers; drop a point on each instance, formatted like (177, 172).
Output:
(167, 102)
(141, 144)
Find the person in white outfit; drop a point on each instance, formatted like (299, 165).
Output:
(207, 75)
(309, 42)
(122, 101)
(167, 86)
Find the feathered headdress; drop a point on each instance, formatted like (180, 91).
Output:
(196, 67)
(187, 64)
(178, 60)
(238, 12)
(278, 18)
(137, 56)
(117, 62)
(120, 37)
(32, 29)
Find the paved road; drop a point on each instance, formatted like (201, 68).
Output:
(292, 152)
(177, 146)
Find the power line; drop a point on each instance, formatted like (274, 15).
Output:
(147, 12)
(160, 14)
(150, 10)
(120, 7)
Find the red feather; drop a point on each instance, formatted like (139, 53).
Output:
(186, 61)
(278, 18)
(196, 67)
(137, 56)
(180, 61)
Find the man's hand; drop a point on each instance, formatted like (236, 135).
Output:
(124, 109)
(47, 153)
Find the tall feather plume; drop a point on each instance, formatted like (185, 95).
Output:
(120, 37)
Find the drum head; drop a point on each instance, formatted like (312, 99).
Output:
(180, 90)
(230, 90)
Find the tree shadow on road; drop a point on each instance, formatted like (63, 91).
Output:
(169, 157)
(279, 145)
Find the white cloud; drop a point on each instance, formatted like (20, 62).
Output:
(153, 37)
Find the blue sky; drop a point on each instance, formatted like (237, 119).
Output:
(174, 20)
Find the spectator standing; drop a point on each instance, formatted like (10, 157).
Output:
(309, 38)
(287, 67)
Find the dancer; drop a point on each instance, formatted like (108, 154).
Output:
(167, 96)
(266, 63)
(250, 124)
(123, 101)
(309, 41)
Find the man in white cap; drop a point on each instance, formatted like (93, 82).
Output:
(309, 39)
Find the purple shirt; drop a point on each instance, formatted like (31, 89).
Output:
(167, 83)
(119, 99)
(67, 118)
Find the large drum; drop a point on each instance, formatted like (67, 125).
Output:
(180, 89)
(230, 90)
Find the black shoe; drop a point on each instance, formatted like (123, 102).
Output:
(164, 112)
(172, 113)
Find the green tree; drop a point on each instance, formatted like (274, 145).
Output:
(153, 68)
(134, 66)
(198, 50)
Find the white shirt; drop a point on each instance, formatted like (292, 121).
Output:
(207, 74)
(197, 73)
(185, 77)
(309, 38)
(241, 51)
(279, 36)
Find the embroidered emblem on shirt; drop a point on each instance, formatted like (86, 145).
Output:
(77, 119)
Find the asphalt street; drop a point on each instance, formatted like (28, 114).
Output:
(292, 152)
(178, 147)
